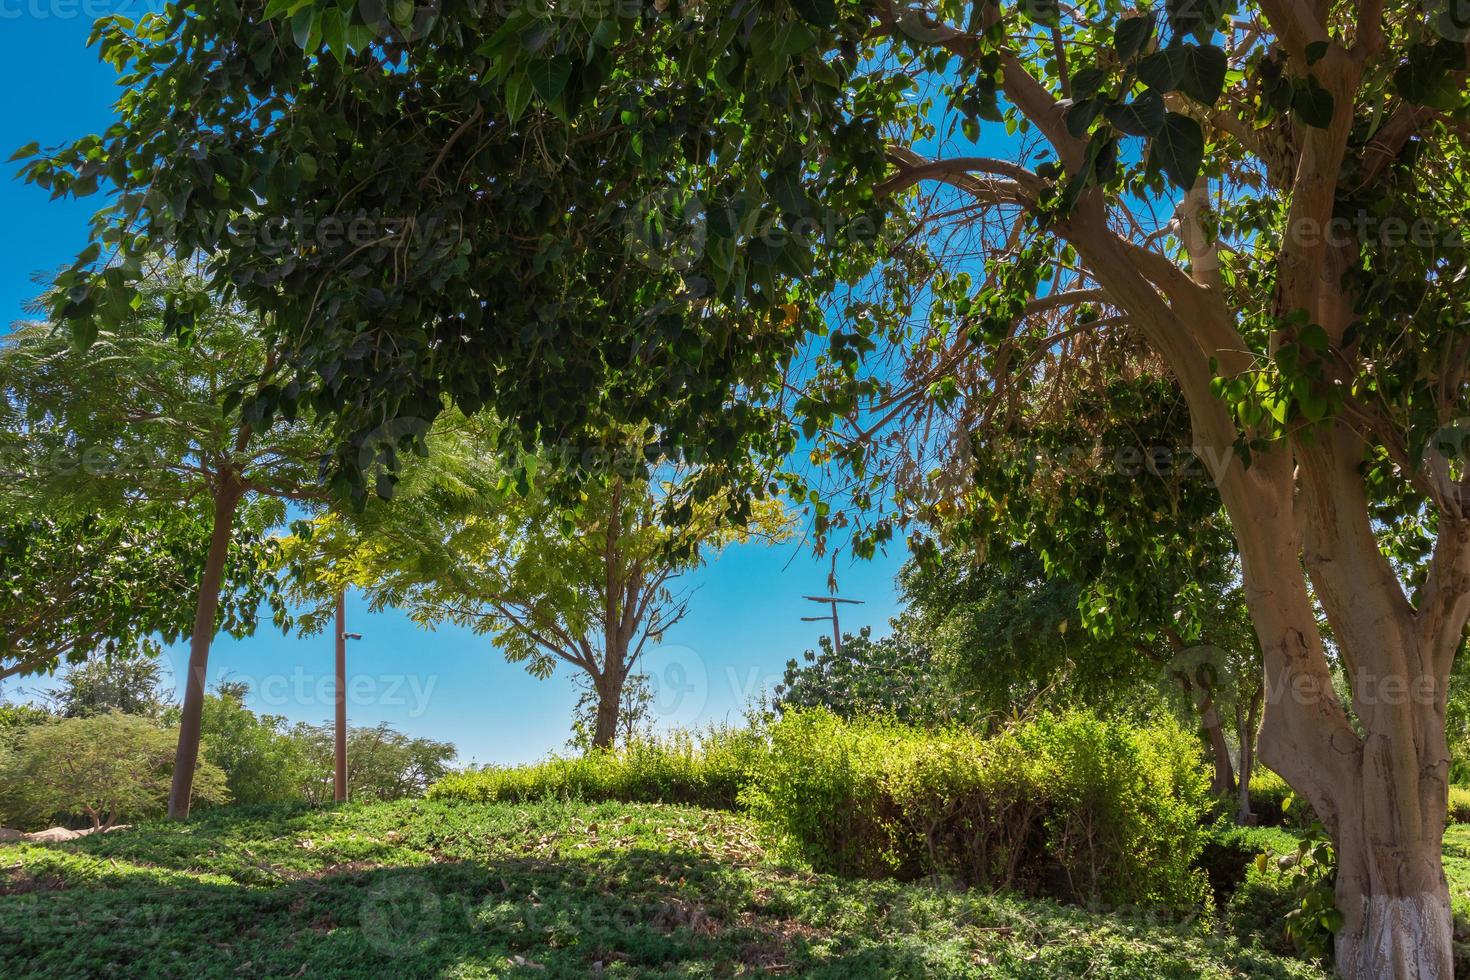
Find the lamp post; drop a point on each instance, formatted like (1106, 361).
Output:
(339, 787)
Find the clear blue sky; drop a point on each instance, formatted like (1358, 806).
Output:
(745, 617)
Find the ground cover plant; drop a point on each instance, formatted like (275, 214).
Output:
(546, 889)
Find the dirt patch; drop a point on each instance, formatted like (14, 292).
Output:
(17, 881)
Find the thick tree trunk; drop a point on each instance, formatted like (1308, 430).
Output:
(1391, 886)
(227, 498)
(609, 698)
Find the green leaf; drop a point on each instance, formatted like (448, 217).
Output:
(334, 33)
(83, 332)
(1178, 150)
(1080, 116)
(1312, 103)
(1086, 82)
(818, 13)
(1144, 116)
(304, 29)
(29, 150)
(517, 95)
(1316, 51)
(794, 38)
(1203, 75)
(550, 77)
(1131, 36)
(1162, 70)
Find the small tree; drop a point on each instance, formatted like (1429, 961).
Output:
(109, 767)
(171, 413)
(583, 580)
(382, 764)
(129, 683)
(896, 675)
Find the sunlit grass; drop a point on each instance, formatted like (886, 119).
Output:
(554, 889)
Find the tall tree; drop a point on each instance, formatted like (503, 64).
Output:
(1234, 191)
(163, 392)
(470, 542)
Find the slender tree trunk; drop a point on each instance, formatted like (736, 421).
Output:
(1223, 784)
(1246, 719)
(227, 498)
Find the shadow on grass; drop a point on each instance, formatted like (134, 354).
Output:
(641, 912)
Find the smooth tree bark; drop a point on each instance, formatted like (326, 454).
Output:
(228, 492)
(1247, 722)
(1301, 511)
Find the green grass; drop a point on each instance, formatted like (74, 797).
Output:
(552, 889)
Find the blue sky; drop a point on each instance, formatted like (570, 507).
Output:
(745, 616)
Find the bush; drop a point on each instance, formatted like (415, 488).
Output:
(1066, 805)
(707, 770)
(382, 764)
(1459, 804)
(107, 768)
(1274, 803)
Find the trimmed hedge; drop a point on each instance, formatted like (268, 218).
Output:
(1064, 805)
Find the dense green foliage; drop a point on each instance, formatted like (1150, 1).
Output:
(499, 161)
(122, 460)
(130, 683)
(708, 770)
(118, 763)
(895, 676)
(104, 767)
(382, 764)
(261, 760)
(1065, 805)
(551, 889)
(1007, 631)
(74, 584)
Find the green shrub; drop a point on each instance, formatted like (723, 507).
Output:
(105, 768)
(1459, 804)
(1274, 803)
(705, 770)
(1066, 805)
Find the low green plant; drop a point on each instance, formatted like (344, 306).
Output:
(1312, 874)
(105, 768)
(705, 769)
(635, 891)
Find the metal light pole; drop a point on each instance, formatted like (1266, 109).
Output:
(339, 788)
(831, 600)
